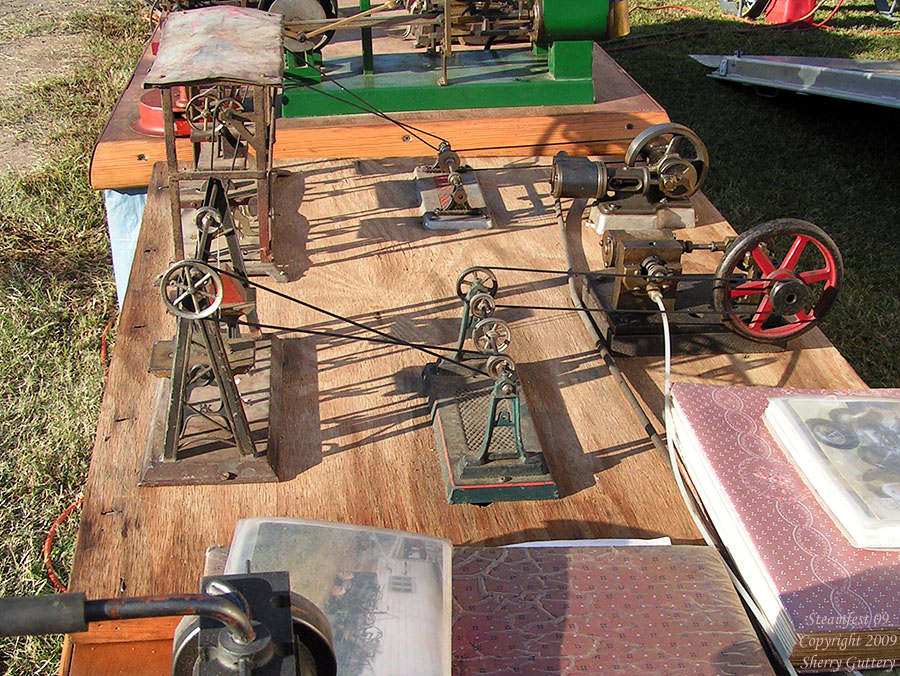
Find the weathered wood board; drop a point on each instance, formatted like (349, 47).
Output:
(355, 441)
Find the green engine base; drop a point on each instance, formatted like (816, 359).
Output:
(459, 408)
(497, 78)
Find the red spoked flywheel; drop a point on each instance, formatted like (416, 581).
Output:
(777, 280)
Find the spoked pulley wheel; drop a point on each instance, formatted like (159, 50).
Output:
(208, 221)
(191, 290)
(675, 153)
(482, 276)
(497, 364)
(201, 110)
(482, 305)
(491, 336)
(777, 280)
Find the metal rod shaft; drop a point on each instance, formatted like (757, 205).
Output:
(342, 23)
(367, 22)
(217, 607)
(446, 47)
(172, 160)
(368, 51)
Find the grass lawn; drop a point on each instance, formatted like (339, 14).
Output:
(824, 160)
(56, 295)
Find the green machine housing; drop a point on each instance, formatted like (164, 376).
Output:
(555, 70)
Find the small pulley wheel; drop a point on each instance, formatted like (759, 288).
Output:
(448, 161)
(225, 109)
(470, 276)
(608, 250)
(201, 110)
(491, 336)
(777, 280)
(191, 290)
(482, 305)
(208, 220)
(675, 154)
(206, 111)
(497, 364)
(458, 196)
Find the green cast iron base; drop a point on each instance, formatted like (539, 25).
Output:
(459, 405)
(496, 78)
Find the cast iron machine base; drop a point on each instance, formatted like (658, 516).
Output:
(695, 327)
(485, 439)
(450, 196)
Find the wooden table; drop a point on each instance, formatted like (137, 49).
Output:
(355, 439)
(123, 158)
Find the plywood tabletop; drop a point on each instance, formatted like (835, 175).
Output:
(355, 439)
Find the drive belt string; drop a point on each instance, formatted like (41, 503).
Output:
(384, 338)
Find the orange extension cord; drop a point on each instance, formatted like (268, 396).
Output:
(48, 544)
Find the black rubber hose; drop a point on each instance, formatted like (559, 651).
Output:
(601, 345)
(70, 613)
(53, 614)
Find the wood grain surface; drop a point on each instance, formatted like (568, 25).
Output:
(123, 158)
(355, 440)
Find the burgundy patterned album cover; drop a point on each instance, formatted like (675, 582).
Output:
(588, 610)
(824, 583)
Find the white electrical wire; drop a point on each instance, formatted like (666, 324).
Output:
(705, 530)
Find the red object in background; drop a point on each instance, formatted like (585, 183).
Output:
(150, 120)
(786, 11)
(179, 105)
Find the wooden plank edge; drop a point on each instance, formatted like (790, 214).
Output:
(126, 631)
(128, 99)
(128, 164)
(65, 659)
(591, 134)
